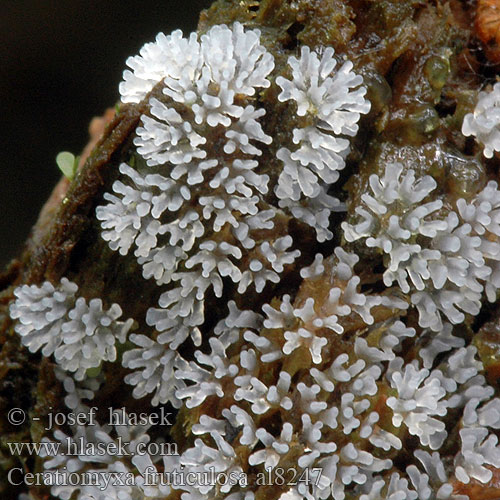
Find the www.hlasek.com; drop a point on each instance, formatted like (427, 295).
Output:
(81, 447)
(177, 478)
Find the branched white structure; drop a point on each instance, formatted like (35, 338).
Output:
(310, 323)
(207, 96)
(484, 122)
(88, 454)
(444, 263)
(80, 335)
(155, 365)
(333, 100)
(333, 378)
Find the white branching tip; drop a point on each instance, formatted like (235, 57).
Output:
(334, 100)
(81, 335)
(484, 122)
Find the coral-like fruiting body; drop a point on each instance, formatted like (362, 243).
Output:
(80, 335)
(333, 101)
(319, 380)
(484, 122)
(445, 263)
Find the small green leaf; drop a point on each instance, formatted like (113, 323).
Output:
(67, 163)
(93, 372)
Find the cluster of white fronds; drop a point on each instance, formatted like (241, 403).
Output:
(484, 122)
(444, 262)
(314, 415)
(319, 379)
(78, 391)
(105, 461)
(155, 364)
(482, 213)
(110, 462)
(185, 187)
(310, 323)
(209, 87)
(80, 335)
(160, 369)
(170, 55)
(232, 58)
(338, 400)
(332, 100)
(181, 313)
(424, 396)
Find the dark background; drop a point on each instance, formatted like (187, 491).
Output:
(60, 65)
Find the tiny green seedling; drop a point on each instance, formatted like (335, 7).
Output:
(67, 163)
